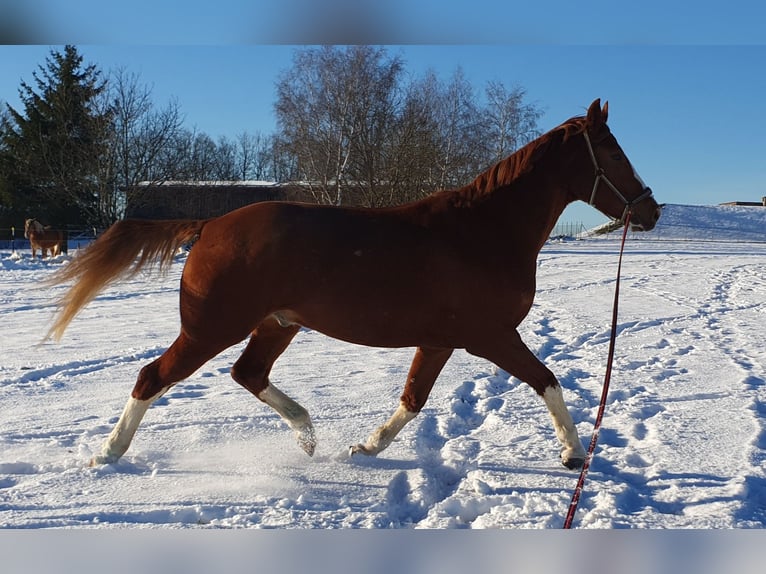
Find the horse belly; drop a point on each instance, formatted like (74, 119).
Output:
(381, 329)
(409, 315)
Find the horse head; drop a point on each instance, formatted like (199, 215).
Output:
(617, 187)
(33, 225)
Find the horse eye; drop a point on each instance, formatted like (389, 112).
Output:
(617, 156)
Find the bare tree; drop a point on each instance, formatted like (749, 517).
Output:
(264, 157)
(246, 153)
(413, 146)
(354, 134)
(461, 141)
(510, 122)
(377, 102)
(283, 164)
(445, 137)
(141, 134)
(225, 161)
(333, 108)
(253, 156)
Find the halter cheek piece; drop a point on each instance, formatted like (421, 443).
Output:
(601, 176)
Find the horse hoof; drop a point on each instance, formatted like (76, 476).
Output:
(307, 440)
(573, 463)
(101, 460)
(360, 449)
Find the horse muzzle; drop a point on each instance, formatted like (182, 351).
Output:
(645, 217)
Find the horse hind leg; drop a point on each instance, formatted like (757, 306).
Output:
(181, 359)
(425, 368)
(293, 414)
(267, 342)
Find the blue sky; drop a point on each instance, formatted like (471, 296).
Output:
(690, 114)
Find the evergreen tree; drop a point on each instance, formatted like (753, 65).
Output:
(52, 153)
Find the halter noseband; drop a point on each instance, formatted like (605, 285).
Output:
(601, 176)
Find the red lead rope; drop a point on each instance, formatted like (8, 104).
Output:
(604, 391)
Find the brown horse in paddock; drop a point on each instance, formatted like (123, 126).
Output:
(453, 270)
(44, 238)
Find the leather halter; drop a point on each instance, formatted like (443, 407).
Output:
(601, 176)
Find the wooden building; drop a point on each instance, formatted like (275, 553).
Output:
(201, 200)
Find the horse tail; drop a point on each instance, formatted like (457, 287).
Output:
(122, 251)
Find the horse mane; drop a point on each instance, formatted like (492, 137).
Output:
(521, 161)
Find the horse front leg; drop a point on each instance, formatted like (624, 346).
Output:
(512, 355)
(426, 366)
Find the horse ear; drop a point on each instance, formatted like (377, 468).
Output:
(595, 119)
(605, 111)
(594, 115)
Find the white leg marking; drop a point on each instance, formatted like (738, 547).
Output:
(119, 439)
(573, 453)
(385, 434)
(294, 415)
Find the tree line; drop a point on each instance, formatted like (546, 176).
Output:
(352, 127)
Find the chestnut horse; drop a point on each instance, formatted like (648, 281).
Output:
(43, 238)
(453, 270)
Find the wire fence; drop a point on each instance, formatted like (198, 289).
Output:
(568, 230)
(12, 238)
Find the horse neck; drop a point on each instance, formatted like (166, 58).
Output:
(523, 211)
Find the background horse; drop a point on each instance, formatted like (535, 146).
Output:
(453, 270)
(43, 238)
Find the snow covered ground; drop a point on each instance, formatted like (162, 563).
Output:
(683, 443)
